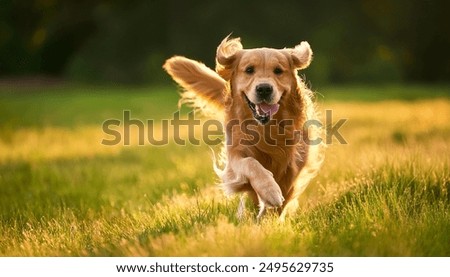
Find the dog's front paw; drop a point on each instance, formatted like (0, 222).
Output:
(270, 193)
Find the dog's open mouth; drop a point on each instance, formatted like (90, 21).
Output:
(262, 112)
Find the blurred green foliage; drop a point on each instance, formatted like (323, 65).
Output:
(127, 41)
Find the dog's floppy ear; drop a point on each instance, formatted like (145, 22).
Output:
(226, 55)
(301, 55)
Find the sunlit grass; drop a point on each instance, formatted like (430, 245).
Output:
(63, 193)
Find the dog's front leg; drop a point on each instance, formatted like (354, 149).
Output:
(261, 180)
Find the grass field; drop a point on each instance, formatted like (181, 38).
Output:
(63, 193)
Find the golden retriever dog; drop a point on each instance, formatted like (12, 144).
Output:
(273, 145)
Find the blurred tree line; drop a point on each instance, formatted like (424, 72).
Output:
(128, 40)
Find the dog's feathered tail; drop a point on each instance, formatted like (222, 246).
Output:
(204, 89)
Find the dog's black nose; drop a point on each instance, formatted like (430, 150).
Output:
(264, 91)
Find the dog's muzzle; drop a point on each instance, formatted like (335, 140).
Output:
(263, 111)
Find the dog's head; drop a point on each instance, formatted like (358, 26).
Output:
(261, 77)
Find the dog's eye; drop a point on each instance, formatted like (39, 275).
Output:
(249, 70)
(278, 71)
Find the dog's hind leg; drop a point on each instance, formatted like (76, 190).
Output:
(262, 211)
(241, 208)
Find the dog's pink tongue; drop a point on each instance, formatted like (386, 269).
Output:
(268, 108)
